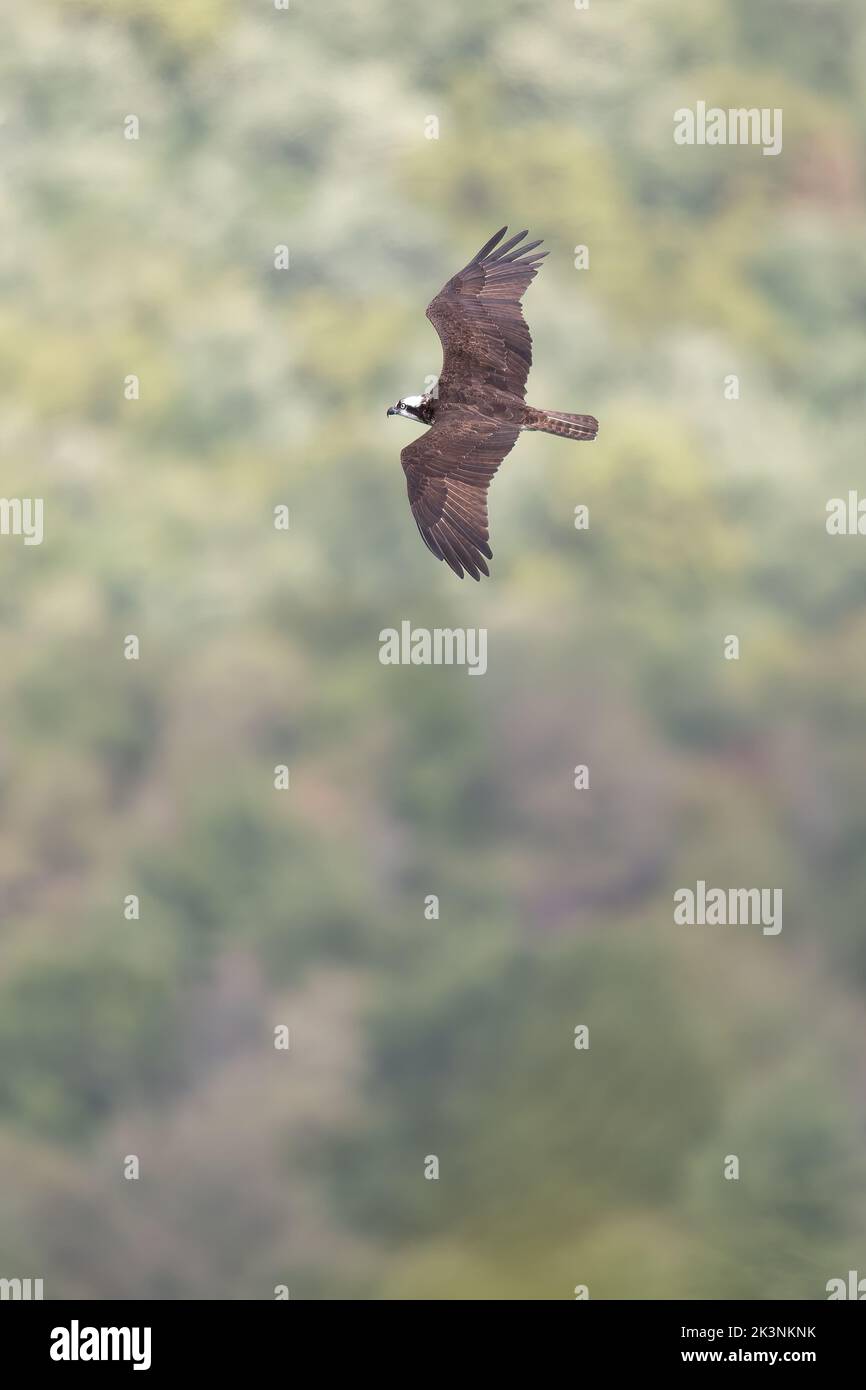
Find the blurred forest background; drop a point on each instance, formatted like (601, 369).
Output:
(707, 517)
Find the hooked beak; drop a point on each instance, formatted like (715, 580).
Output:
(390, 411)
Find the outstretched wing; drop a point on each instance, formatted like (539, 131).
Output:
(448, 471)
(478, 317)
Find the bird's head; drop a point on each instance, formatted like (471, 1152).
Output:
(410, 407)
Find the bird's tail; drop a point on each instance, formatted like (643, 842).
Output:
(561, 423)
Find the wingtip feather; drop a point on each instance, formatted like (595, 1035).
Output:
(489, 245)
(506, 246)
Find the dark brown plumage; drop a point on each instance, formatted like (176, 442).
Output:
(477, 410)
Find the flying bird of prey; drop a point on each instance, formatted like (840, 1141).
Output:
(477, 410)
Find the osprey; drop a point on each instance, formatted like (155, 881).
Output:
(477, 410)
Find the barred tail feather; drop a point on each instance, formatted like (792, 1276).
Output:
(561, 423)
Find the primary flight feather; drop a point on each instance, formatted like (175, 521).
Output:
(477, 409)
